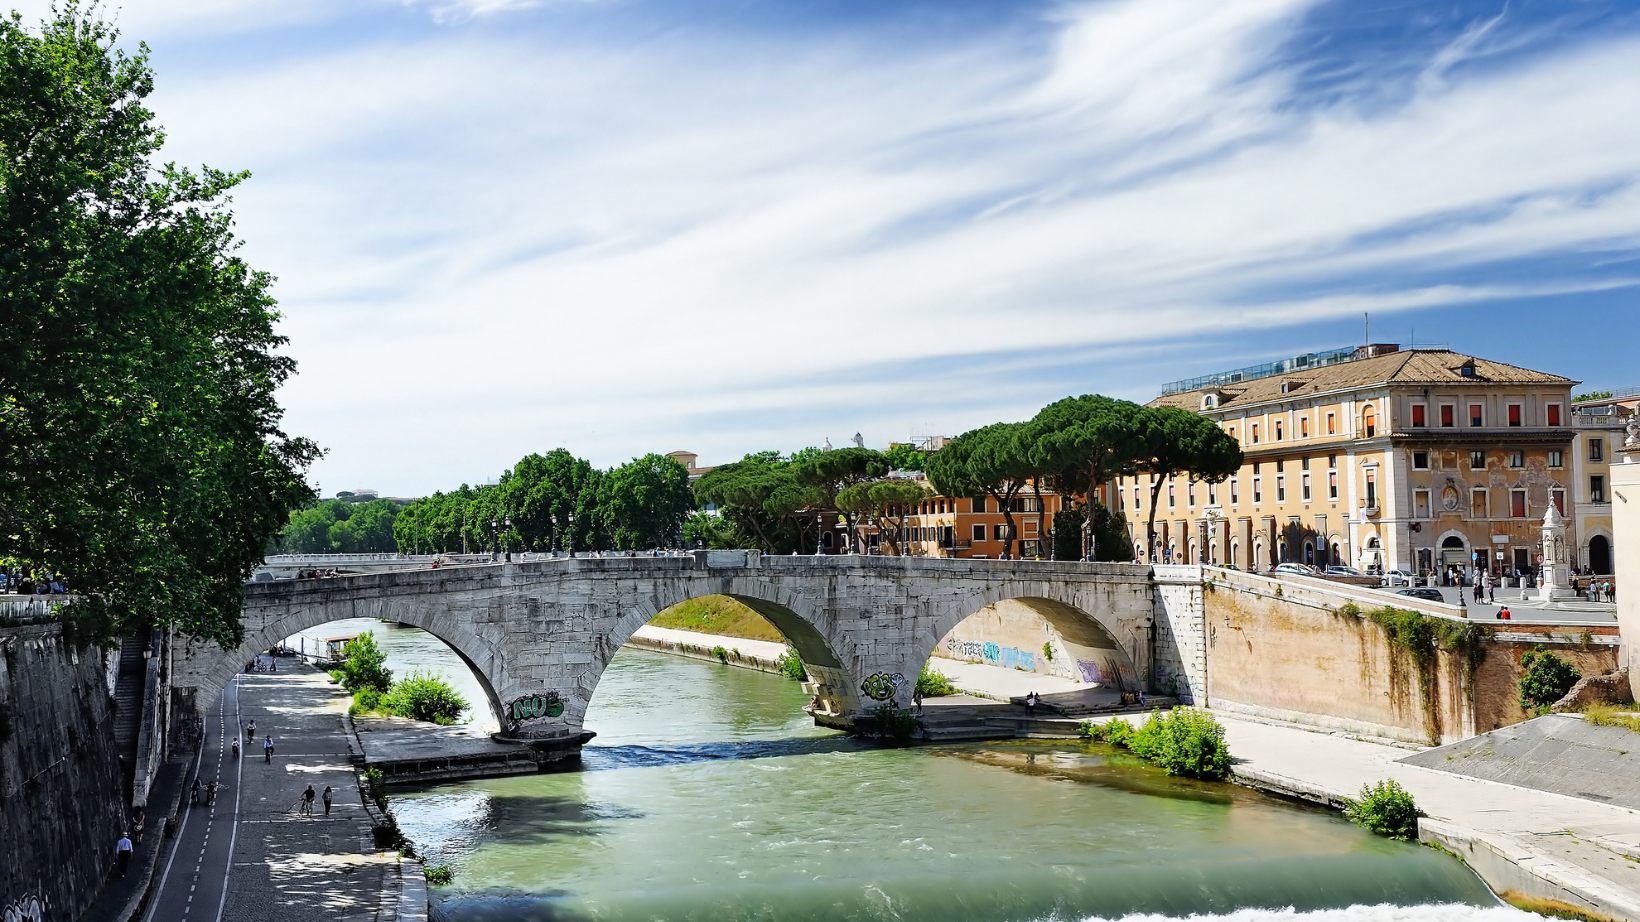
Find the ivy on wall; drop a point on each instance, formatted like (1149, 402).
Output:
(1415, 639)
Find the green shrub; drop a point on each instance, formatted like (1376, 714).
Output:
(365, 701)
(791, 665)
(891, 722)
(1385, 808)
(1547, 679)
(364, 666)
(721, 654)
(1184, 741)
(1047, 650)
(440, 875)
(424, 696)
(933, 684)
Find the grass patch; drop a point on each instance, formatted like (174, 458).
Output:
(1553, 909)
(718, 614)
(1613, 715)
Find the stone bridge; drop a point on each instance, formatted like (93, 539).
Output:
(539, 634)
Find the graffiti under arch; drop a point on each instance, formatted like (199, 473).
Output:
(535, 707)
(881, 687)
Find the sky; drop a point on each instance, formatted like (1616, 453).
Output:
(723, 226)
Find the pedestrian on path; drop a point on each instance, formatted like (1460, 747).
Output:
(1491, 588)
(267, 749)
(326, 798)
(307, 801)
(916, 700)
(122, 852)
(250, 732)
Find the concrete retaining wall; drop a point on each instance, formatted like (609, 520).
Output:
(62, 795)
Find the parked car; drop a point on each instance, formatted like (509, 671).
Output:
(1296, 569)
(1396, 578)
(1344, 571)
(1428, 595)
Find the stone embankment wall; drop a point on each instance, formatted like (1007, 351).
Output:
(1297, 657)
(62, 794)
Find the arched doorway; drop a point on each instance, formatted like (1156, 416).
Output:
(1454, 553)
(1600, 555)
(1309, 553)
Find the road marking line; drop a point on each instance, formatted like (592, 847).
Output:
(234, 822)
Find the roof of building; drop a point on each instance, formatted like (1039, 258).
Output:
(1407, 367)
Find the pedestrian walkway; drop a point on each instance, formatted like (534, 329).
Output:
(254, 854)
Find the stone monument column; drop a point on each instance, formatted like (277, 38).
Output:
(1553, 570)
(1626, 549)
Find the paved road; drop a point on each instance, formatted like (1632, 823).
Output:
(194, 877)
(255, 854)
(1574, 612)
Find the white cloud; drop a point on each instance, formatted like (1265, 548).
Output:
(490, 244)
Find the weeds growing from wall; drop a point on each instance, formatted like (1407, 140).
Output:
(890, 722)
(791, 665)
(1414, 639)
(1613, 715)
(1547, 679)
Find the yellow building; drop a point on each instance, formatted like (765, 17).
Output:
(944, 526)
(1424, 460)
(1599, 423)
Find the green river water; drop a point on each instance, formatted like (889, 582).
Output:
(709, 795)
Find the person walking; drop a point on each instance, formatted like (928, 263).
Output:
(1491, 588)
(122, 852)
(196, 791)
(250, 732)
(327, 800)
(267, 749)
(307, 801)
(916, 700)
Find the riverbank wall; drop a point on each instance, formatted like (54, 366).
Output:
(1283, 650)
(62, 790)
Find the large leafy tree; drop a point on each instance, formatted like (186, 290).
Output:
(1081, 442)
(763, 499)
(644, 503)
(340, 527)
(994, 461)
(141, 453)
(829, 473)
(1173, 441)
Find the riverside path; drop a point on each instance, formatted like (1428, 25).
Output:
(254, 854)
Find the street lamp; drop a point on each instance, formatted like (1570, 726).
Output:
(569, 519)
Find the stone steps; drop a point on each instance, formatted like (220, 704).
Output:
(128, 689)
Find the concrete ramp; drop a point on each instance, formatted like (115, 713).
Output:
(1558, 753)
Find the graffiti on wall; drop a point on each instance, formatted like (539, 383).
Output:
(881, 687)
(1090, 671)
(533, 707)
(28, 909)
(988, 652)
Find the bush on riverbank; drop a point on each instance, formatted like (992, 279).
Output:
(363, 666)
(424, 696)
(1183, 741)
(890, 722)
(932, 683)
(439, 875)
(791, 665)
(1385, 808)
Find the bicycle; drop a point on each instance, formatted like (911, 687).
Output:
(210, 794)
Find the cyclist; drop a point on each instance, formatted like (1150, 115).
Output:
(196, 790)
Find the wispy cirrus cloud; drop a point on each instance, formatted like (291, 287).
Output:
(516, 228)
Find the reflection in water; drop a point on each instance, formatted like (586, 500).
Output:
(709, 795)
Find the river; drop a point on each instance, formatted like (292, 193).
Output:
(709, 795)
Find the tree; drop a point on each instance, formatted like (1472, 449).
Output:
(1081, 442)
(992, 460)
(1545, 679)
(644, 502)
(879, 503)
(364, 666)
(1176, 441)
(761, 495)
(141, 454)
(829, 473)
(340, 527)
(903, 457)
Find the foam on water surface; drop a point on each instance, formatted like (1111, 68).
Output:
(1446, 912)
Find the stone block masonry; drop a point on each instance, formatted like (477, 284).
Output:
(62, 791)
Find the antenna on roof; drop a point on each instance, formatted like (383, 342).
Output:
(1366, 328)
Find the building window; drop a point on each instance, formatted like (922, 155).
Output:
(1557, 458)
(979, 504)
(999, 532)
(1597, 449)
(1190, 493)
(1420, 504)
(1279, 463)
(1552, 414)
(1448, 415)
(1212, 494)
(1372, 490)
(1255, 433)
(1332, 485)
(1558, 497)
(1278, 430)
(1476, 417)
(1514, 414)
(1281, 488)
(1332, 424)
(1305, 487)
(1369, 421)
(1597, 489)
(1420, 460)
(1304, 463)
(1171, 499)
(1121, 500)
(979, 532)
(1517, 503)
(1477, 460)
(1138, 500)
(1235, 493)
(1303, 427)
(1477, 504)
(1517, 459)
(1418, 421)
(1232, 431)
(1258, 489)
